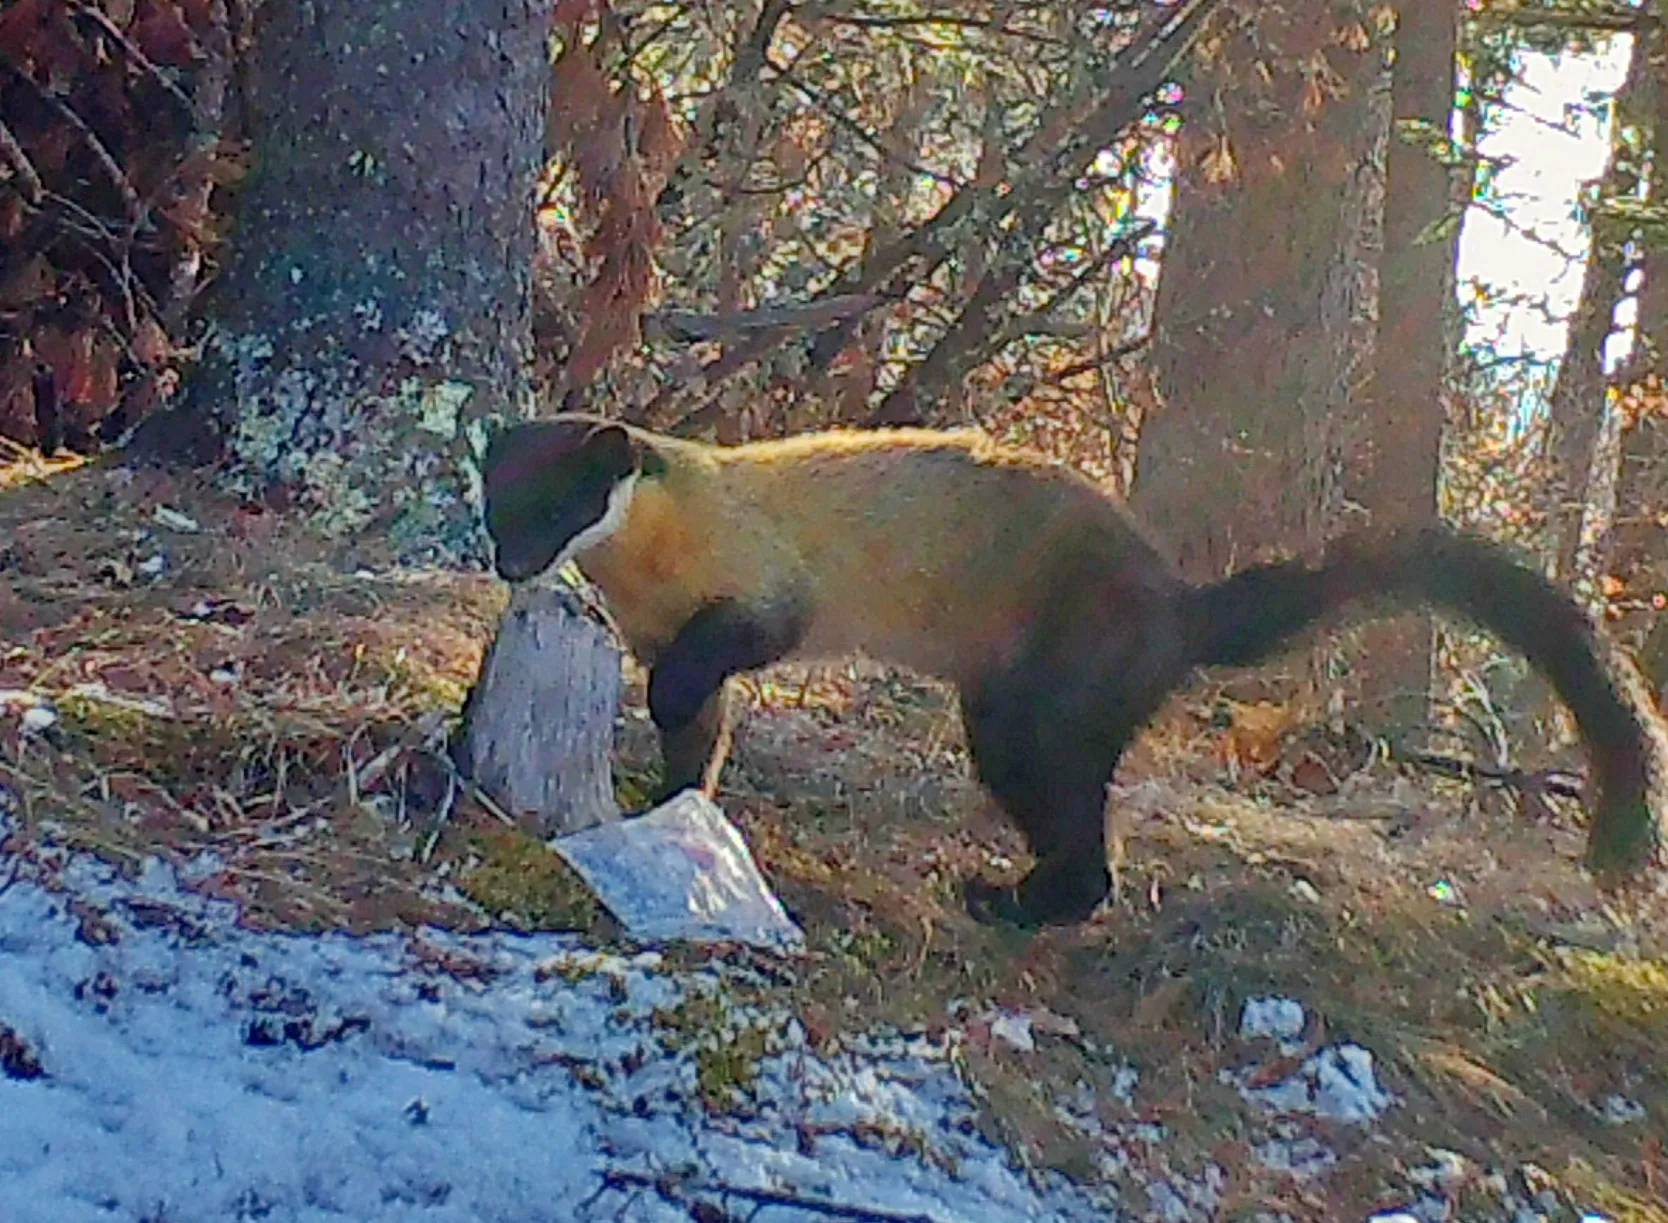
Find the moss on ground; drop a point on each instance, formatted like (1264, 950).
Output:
(523, 882)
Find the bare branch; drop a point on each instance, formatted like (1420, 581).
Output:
(749, 63)
(755, 54)
(974, 335)
(1038, 193)
(1048, 170)
(851, 125)
(1619, 19)
(631, 50)
(1561, 782)
(130, 197)
(685, 326)
(1101, 359)
(952, 20)
(19, 161)
(1124, 245)
(135, 56)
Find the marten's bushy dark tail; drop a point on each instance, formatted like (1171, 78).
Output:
(1248, 615)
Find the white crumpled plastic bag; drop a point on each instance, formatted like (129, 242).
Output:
(681, 871)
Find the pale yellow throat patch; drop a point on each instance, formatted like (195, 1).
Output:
(613, 518)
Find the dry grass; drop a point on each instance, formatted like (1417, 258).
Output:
(264, 699)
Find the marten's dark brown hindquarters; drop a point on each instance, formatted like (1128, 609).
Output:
(1109, 645)
(1047, 729)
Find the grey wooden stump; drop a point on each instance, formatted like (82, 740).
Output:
(538, 727)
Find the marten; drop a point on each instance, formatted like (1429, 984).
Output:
(1013, 578)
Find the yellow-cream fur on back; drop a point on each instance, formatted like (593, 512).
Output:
(886, 532)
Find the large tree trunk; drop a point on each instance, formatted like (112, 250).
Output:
(1395, 472)
(377, 301)
(1266, 300)
(1637, 548)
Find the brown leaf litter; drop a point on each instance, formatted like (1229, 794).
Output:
(208, 679)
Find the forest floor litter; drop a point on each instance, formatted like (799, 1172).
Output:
(261, 957)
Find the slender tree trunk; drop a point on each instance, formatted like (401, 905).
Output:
(1576, 421)
(378, 298)
(1576, 413)
(1394, 474)
(1267, 301)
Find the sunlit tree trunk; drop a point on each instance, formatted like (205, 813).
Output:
(1576, 414)
(1266, 303)
(1394, 474)
(1638, 543)
(377, 299)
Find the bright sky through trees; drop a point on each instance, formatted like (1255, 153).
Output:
(1555, 131)
(1525, 246)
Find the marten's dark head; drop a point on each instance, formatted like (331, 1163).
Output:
(554, 488)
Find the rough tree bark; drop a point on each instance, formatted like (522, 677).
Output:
(1394, 473)
(1637, 548)
(377, 303)
(376, 315)
(1265, 303)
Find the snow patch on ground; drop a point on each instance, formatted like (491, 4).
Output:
(1337, 1082)
(1281, 1018)
(190, 1069)
(160, 1062)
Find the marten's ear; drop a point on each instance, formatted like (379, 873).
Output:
(609, 451)
(554, 488)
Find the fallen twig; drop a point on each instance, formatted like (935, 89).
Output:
(19, 161)
(676, 1188)
(130, 197)
(1534, 781)
(490, 805)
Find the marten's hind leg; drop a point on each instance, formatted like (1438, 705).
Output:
(1046, 759)
(1047, 732)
